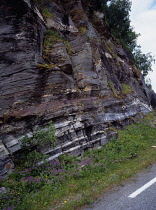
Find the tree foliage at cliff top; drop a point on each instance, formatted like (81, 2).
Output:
(118, 18)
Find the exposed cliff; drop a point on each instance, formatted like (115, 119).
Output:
(64, 66)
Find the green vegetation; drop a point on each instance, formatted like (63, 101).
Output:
(115, 93)
(143, 61)
(82, 30)
(51, 37)
(40, 137)
(46, 66)
(126, 89)
(148, 83)
(71, 182)
(31, 146)
(117, 17)
(69, 49)
(117, 14)
(110, 49)
(28, 176)
(46, 13)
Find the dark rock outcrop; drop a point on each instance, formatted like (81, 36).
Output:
(152, 96)
(66, 67)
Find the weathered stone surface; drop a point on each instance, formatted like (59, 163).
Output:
(59, 20)
(3, 190)
(6, 165)
(78, 83)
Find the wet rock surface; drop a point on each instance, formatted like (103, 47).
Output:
(78, 76)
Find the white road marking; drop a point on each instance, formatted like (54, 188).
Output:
(140, 190)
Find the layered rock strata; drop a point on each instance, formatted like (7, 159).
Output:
(62, 64)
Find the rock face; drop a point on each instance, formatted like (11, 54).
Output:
(63, 64)
(152, 95)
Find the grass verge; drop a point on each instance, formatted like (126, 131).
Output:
(72, 182)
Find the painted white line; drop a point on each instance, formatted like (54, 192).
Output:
(140, 190)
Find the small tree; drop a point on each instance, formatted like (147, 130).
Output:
(117, 15)
(143, 61)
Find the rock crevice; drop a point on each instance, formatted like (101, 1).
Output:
(63, 66)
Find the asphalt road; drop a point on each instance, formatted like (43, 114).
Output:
(138, 193)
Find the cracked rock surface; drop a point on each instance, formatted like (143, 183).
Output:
(67, 68)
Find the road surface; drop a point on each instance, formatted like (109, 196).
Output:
(138, 194)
